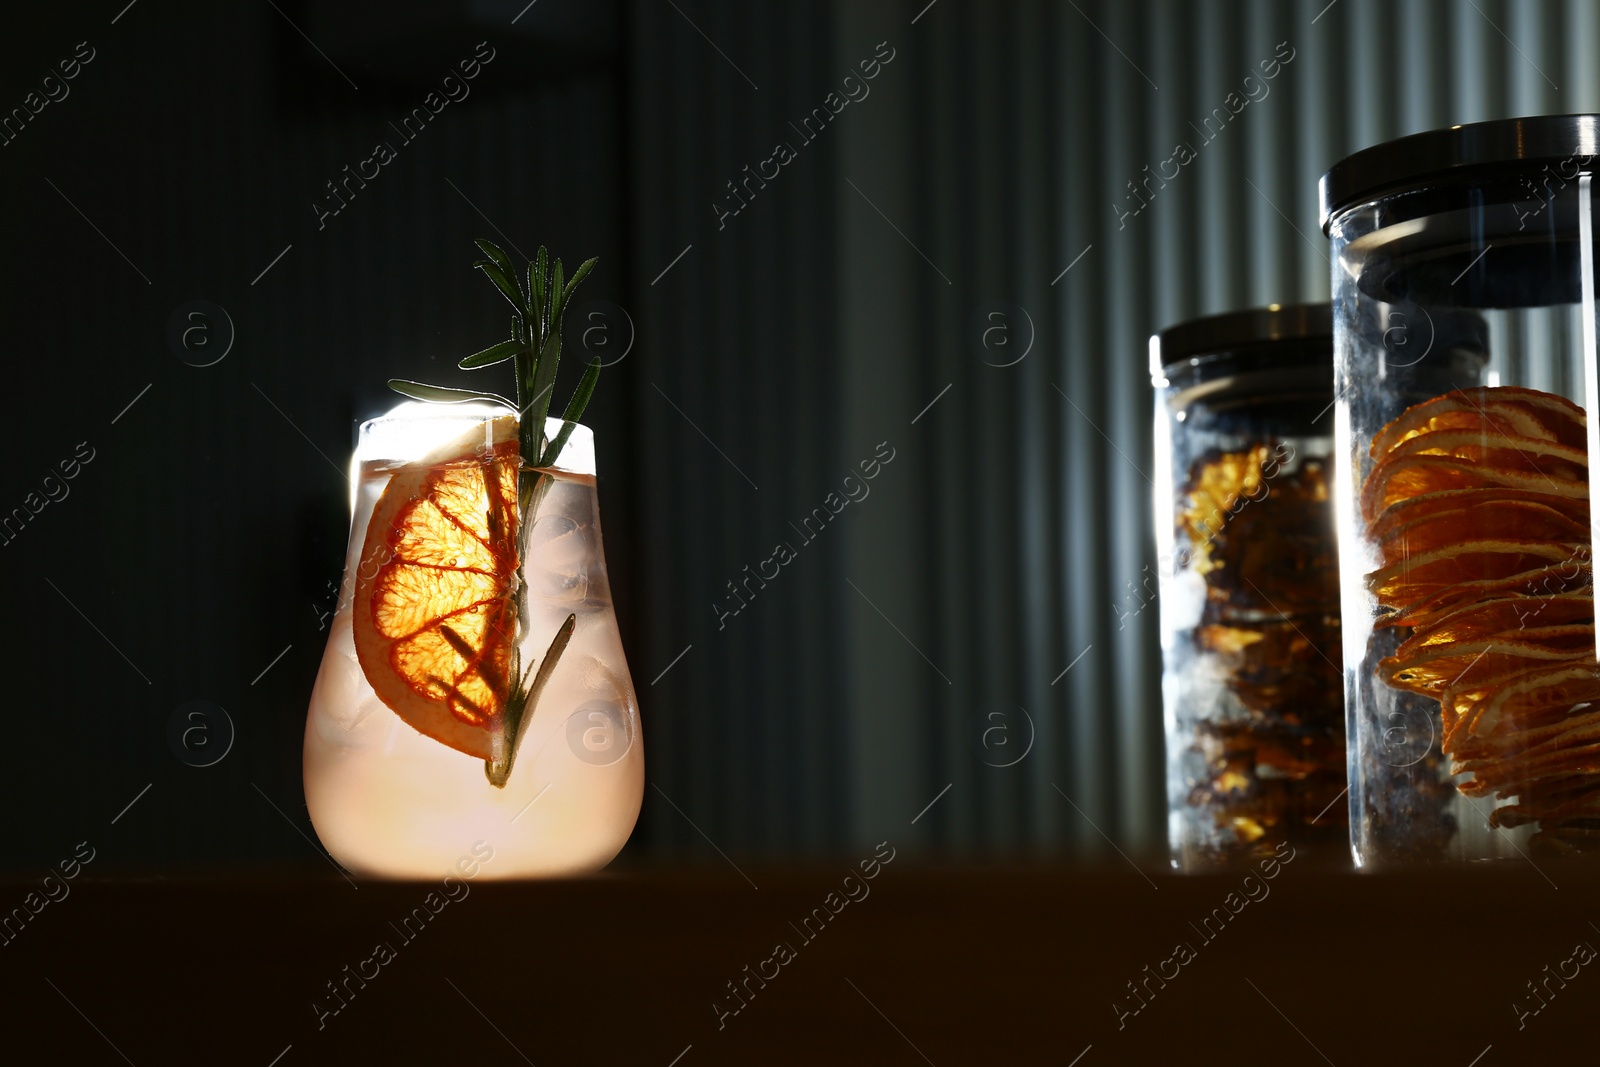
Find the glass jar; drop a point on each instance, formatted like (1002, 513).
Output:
(1249, 590)
(422, 755)
(1464, 299)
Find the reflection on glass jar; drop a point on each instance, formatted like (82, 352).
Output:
(1464, 296)
(1249, 585)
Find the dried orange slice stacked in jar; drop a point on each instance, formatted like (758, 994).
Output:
(1478, 507)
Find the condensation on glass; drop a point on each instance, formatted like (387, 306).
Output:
(1248, 585)
(1464, 301)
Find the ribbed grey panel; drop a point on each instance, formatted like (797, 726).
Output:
(1123, 419)
(1013, 528)
(735, 383)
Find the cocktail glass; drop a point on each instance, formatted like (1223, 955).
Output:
(390, 801)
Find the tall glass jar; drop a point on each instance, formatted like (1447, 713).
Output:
(1248, 585)
(1464, 298)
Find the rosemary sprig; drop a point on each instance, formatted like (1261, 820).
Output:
(534, 352)
(533, 349)
(499, 769)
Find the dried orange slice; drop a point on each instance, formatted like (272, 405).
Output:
(1467, 561)
(1580, 800)
(1486, 446)
(1558, 418)
(1572, 729)
(1529, 698)
(1507, 615)
(1216, 495)
(1497, 716)
(435, 622)
(1514, 520)
(1430, 670)
(1568, 575)
(1411, 476)
(1506, 777)
(1507, 409)
(1478, 509)
(1403, 513)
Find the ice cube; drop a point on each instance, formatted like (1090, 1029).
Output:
(559, 553)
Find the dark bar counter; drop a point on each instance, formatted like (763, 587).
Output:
(804, 965)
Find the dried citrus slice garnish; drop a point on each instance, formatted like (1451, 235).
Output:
(434, 614)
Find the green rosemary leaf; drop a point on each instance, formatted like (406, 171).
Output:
(559, 306)
(544, 380)
(577, 276)
(522, 365)
(556, 301)
(492, 355)
(520, 372)
(552, 451)
(585, 390)
(536, 280)
(519, 711)
(502, 281)
(535, 308)
(497, 254)
(574, 412)
(441, 394)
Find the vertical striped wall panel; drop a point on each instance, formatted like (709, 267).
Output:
(1013, 526)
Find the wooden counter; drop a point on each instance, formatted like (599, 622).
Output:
(939, 965)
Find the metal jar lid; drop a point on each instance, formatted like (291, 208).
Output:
(1460, 153)
(1280, 356)
(1295, 329)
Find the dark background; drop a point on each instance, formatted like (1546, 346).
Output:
(986, 173)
